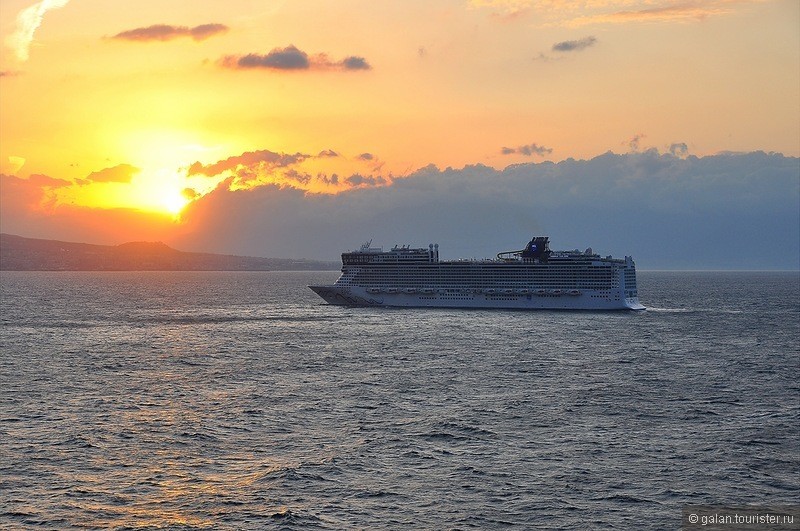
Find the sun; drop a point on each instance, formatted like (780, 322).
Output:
(161, 191)
(173, 202)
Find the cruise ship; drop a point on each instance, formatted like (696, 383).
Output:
(534, 278)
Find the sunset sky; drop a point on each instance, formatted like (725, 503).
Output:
(149, 120)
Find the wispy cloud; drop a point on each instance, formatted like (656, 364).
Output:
(165, 32)
(574, 46)
(292, 58)
(586, 12)
(504, 10)
(28, 21)
(634, 142)
(248, 161)
(121, 173)
(662, 11)
(527, 150)
(14, 164)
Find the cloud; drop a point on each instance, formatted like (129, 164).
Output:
(365, 180)
(19, 197)
(528, 150)
(190, 194)
(165, 32)
(574, 46)
(669, 12)
(8, 73)
(679, 149)
(633, 143)
(325, 172)
(28, 207)
(561, 13)
(122, 173)
(45, 181)
(14, 164)
(291, 58)
(504, 10)
(28, 21)
(355, 63)
(666, 211)
(249, 160)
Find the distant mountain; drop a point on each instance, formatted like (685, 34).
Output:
(30, 254)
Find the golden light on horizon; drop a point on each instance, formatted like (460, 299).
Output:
(161, 191)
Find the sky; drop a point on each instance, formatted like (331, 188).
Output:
(665, 129)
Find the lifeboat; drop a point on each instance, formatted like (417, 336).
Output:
(556, 292)
(574, 292)
(541, 291)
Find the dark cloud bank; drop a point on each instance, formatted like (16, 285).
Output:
(728, 211)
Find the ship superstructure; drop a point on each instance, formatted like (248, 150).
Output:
(532, 278)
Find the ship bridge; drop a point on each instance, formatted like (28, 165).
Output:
(396, 255)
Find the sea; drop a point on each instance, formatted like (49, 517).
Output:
(241, 401)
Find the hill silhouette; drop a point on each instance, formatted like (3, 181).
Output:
(18, 253)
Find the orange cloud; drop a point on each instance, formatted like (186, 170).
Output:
(248, 159)
(33, 193)
(327, 172)
(28, 207)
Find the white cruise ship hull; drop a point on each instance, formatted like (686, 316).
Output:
(549, 300)
(533, 278)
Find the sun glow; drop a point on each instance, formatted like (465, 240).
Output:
(147, 172)
(174, 202)
(160, 191)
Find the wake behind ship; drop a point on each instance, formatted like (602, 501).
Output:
(532, 278)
